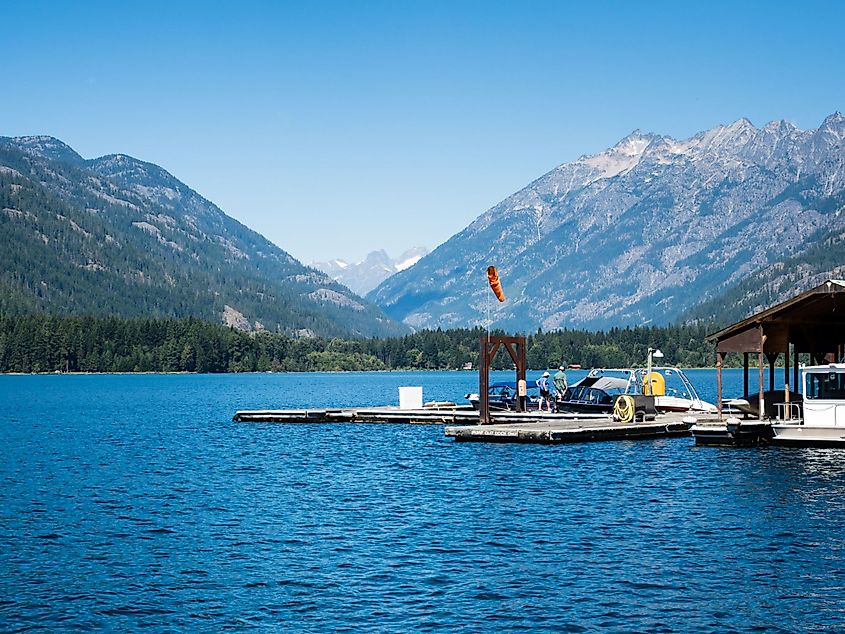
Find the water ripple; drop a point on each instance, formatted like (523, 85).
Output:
(132, 502)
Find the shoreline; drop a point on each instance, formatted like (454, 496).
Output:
(425, 370)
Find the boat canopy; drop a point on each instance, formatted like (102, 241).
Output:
(606, 383)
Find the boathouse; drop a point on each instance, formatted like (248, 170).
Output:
(811, 323)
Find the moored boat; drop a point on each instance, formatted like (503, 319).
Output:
(671, 388)
(594, 394)
(820, 419)
(503, 396)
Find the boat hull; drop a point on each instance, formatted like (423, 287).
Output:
(583, 408)
(733, 433)
(798, 435)
(677, 404)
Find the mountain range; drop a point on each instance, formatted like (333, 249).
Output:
(118, 236)
(652, 230)
(362, 277)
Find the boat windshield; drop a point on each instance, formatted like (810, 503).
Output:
(676, 382)
(825, 386)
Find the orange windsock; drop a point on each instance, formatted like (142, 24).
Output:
(495, 284)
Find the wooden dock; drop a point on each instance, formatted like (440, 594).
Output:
(733, 432)
(554, 431)
(462, 423)
(375, 415)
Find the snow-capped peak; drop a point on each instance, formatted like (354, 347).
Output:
(780, 125)
(407, 263)
(834, 126)
(740, 124)
(835, 118)
(364, 276)
(621, 158)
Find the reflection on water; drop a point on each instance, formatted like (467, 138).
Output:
(134, 502)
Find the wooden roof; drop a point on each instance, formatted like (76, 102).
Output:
(813, 321)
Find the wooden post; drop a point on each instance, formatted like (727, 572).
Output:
(786, 365)
(745, 375)
(788, 413)
(795, 368)
(762, 404)
(772, 357)
(483, 381)
(719, 358)
(520, 369)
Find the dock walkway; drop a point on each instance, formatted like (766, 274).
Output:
(375, 415)
(462, 423)
(560, 430)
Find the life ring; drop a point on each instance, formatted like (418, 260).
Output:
(623, 410)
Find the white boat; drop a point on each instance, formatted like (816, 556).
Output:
(671, 388)
(682, 404)
(823, 419)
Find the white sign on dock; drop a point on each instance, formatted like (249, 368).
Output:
(410, 397)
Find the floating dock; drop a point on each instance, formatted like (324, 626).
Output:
(733, 432)
(462, 423)
(375, 415)
(459, 414)
(567, 430)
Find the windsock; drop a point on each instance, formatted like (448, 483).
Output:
(495, 284)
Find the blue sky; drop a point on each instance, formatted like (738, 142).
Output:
(337, 128)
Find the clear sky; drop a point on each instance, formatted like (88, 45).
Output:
(338, 128)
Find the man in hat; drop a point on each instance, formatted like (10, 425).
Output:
(545, 396)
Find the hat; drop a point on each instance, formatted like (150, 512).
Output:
(561, 368)
(545, 374)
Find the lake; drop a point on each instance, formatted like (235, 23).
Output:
(133, 502)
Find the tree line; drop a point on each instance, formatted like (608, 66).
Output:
(49, 343)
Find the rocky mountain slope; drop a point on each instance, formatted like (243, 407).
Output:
(640, 233)
(822, 260)
(118, 236)
(362, 277)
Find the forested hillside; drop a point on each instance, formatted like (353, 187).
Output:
(118, 236)
(824, 259)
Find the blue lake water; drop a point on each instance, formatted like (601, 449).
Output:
(132, 502)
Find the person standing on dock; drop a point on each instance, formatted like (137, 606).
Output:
(560, 384)
(545, 395)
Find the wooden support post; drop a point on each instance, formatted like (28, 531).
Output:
(795, 367)
(786, 365)
(787, 397)
(483, 381)
(772, 357)
(719, 359)
(745, 394)
(762, 404)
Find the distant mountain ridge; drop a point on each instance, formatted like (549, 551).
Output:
(362, 277)
(119, 236)
(640, 233)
